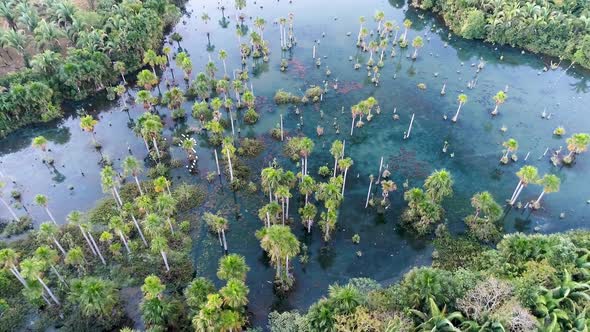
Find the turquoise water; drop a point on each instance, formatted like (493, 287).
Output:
(472, 157)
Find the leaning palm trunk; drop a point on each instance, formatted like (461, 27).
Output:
(59, 246)
(283, 207)
(344, 181)
(156, 147)
(454, 119)
(515, 190)
(224, 240)
(54, 270)
(352, 126)
(49, 291)
(50, 215)
(87, 240)
(138, 185)
(231, 171)
(97, 248)
(18, 276)
(124, 240)
(170, 225)
(165, 258)
(139, 229)
(540, 197)
(517, 194)
(287, 209)
(369, 193)
(9, 208)
(117, 197)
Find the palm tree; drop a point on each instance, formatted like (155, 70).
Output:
(173, 98)
(49, 232)
(151, 58)
(120, 67)
(462, 99)
(132, 166)
(527, 174)
(484, 203)
(147, 79)
(5, 203)
(33, 269)
(160, 244)
(8, 12)
(307, 187)
(9, 259)
(576, 144)
(42, 201)
(49, 257)
(499, 98)
(417, 43)
(76, 218)
(280, 245)
(166, 205)
(282, 193)
(47, 62)
(75, 257)
(308, 213)
(439, 185)
(40, 143)
(145, 97)
(379, 17)
(511, 146)
(271, 178)
(47, 35)
(96, 297)
(407, 25)
(162, 184)
(344, 164)
(231, 320)
(222, 57)
(387, 186)
(18, 40)
(550, 183)
(437, 319)
(151, 129)
(228, 151)
(118, 226)
(232, 266)
(234, 293)
(87, 123)
(109, 184)
(218, 225)
(358, 38)
(337, 151)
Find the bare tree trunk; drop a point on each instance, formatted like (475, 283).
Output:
(49, 291)
(224, 240)
(369, 193)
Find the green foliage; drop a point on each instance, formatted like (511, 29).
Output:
(284, 97)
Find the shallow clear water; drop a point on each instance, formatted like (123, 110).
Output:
(475, 140)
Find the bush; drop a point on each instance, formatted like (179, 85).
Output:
(283, 97)
(251, 117)
(17, 227)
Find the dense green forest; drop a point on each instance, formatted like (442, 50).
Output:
(560, 28)
(529, 283)
(70, 54)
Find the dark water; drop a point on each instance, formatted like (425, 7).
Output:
(475, 141)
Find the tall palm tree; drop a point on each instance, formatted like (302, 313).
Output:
(308, 213)
(462, 99)
(407, 25)
(231, 320)
(42, 201)
(511, 146)
(439, 185)
(222, 57)
(362, 22)
(499, 99)
(379, 17)
(151, 129)
(5, 203)
(344, 164)
(132, 166)
(151, 58)
(550, 183)
(282, 193)
(8, 12)
(110, 184)
(337, 151)
(305, 147)
(271, 177)
(307, 187)
(576, 144)
(527, 174)
(160, 244)
(49, 257)
(484, 203)
(147, 79)
(166, 205)
(87, 123)
(119, 226)
(47, 35)
(49, 232)
(232, 266)
(417, 43)
(218, 225)
(32, 269)
(161, 185)
(280, 245)
(228, 150)
(96, 297)
(235, 294)
(120, 67)
(75, 257)
(9, 259)
(128, 210)
(18, 40)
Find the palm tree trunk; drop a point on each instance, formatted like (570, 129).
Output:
(224, 240)
(138, 185)
(287, 210)
(495, 111)
(9, 208)
(147, 146)
(18, 276)
(352, 126)
(515, 190)
(287, 266)
(50, 215)
(369, 193)
(97, 248)
(267, 219)
(335, 165)
(454, 119)
(517, 194)
(156, 147)
(309, 222)
(49, 291)
(59, 246)
(224, 68)
(124, 242)
(87, 241)
(283, 207)
(358, 38)
(405, 35)
(231, 171)
(117, 197)
(344, 181)
(170, 224)
(540, 196)
(54, 270)
(165, 260)
(123, 78)
(219, 238)
(415, 55)
(139, 229)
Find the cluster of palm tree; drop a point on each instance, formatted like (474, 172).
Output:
(361, 109)
(576, 144)
(530, 175)
(424, 205)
